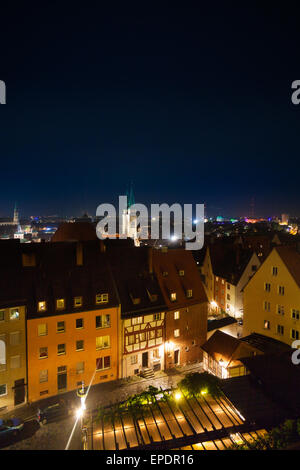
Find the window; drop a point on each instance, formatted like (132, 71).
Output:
(133, 359)
(142, 337)
(101, 298)
(103, 363)
(173, 296)
(61, 349)
(43, 376)
(294, 334)
(44, 392)
(156, 354)
(131, 339)
(60, 327)
(15, 362)
(295, 314)
(102, 321)
(77, 301)
(79, 323)
(15, 338)
(3, 390)
(281, 290)
(157, 316)
(80, 345)
(79, 367)
(189, 293)
(43, 353)
(42, 329)
(14, 314)
(137, 320)
(274, 271)
(280, 330)
(176, 333)
(280, 309)
(165, 273)
(228, 296)
(181, 272)
(267, 306)
(2, 315)
(266, 324)
(102, 342)
(42, 306)
(158, 332)
(176, 315)
(60, 304)
(228, 286)
(267, 287)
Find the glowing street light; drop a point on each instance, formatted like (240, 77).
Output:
(177, 396)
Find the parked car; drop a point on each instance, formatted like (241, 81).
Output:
(52, 412)
(10, 427)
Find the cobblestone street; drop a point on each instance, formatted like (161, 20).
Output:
(55, 435)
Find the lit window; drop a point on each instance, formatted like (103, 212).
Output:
(137, 320)
(42, 306)
(101, 298)
(142, 337)
(102, 342)
(131, 339)
(2, 315)
(157, 316)
(189, 293)
(43, 353)
(80, 345)
(173, 296)
(156, 354)
(103, 321)
(42, 329)
(60, 304)
(181, 272)
(61, 349)
(43, 376)
(77, 301)
(176, 333)
(79, 323)
(266, 324)
(15, 338)
(14, 314)
(176, 315)
(60, 327)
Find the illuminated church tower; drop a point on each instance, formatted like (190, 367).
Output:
(130, 220)
(16, 215)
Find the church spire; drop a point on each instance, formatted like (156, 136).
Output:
(130, 196)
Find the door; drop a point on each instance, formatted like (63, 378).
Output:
(145, 359)
(62, 381)
(19, 391)
(176, 356)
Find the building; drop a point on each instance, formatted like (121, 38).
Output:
(272, 297)
(13, 364)
(222, 355)
(186, 305)
(226, 270)
(142, 331)
(72, 317)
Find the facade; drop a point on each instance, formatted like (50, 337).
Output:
(72, 317)
(13, 370)
(186, 301)
(272, 297)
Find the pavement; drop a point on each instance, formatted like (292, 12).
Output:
(54, 436)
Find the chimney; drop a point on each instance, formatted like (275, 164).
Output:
(150, 259)
(79, 254)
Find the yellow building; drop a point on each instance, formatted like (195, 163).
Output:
(272, 297)
(13, 370)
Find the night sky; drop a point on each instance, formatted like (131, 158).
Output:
(191, 104)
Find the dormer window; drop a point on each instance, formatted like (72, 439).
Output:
(165, 273)
(135, 300)
(60, 304)
(77, 301)
(189, 293)
(173, 296)
(42, 306)
(181, 272)
(152, 296)
(101, 298)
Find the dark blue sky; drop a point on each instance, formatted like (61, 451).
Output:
(191, 104)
